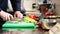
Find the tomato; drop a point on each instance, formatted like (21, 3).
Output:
(33, 16)
(49, 13)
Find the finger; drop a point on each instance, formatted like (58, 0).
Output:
(15, 15)
(21, 16)
(4, 18)
(18, 16)
(11, 17)
(8, 18)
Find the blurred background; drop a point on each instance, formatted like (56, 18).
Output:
(27, 4)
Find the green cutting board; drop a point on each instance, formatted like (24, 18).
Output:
(18, 25)
(18, 29)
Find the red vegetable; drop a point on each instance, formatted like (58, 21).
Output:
(33, 16)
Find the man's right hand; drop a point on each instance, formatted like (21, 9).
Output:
(5, 16)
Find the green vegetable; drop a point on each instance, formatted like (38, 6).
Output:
(27, 19)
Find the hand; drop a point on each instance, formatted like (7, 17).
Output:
(5, 16)
(17, 14)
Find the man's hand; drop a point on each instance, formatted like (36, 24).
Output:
(5, 16)
(18, 14)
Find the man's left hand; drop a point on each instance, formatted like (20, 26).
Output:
(18, 14)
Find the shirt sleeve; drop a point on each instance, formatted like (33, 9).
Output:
(16, 4)
(0, 9)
